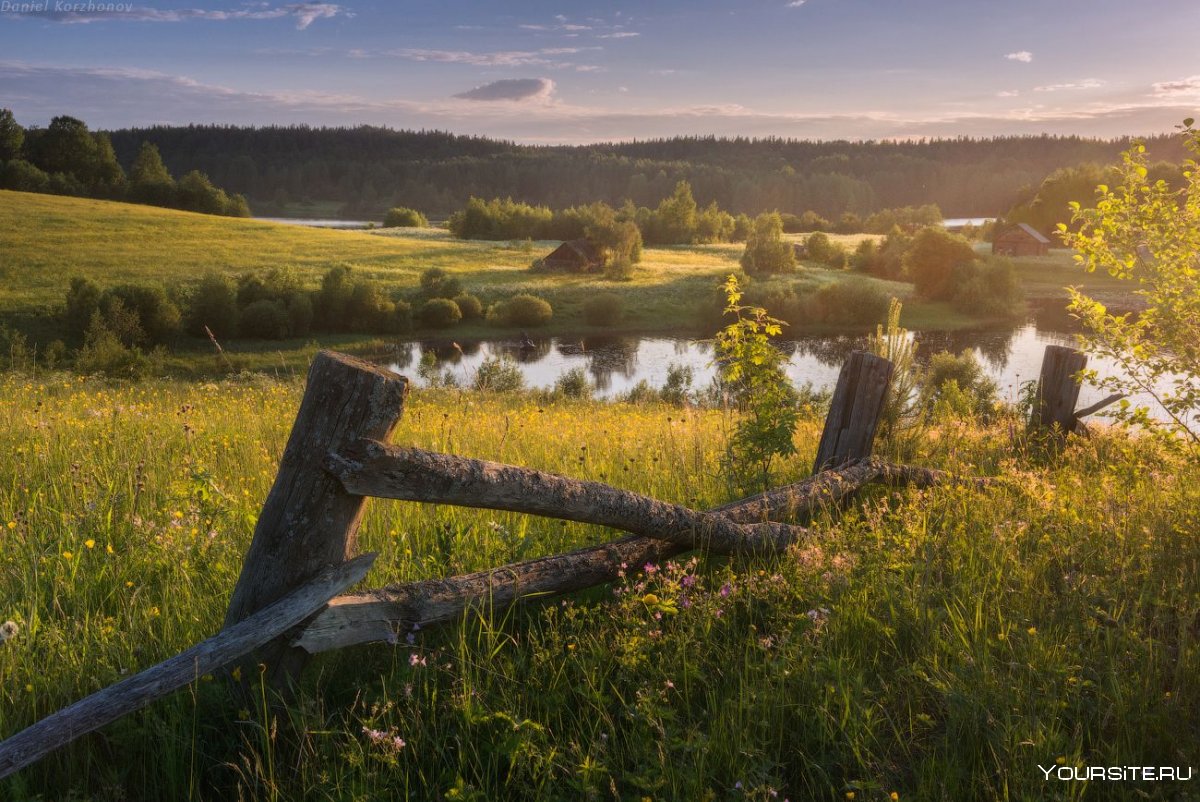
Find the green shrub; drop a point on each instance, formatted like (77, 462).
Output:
(573, 384)
(439, 313)
(437, 283)
(851, 301)
(603, 310)
(402, 317)
(157, 316)
(103, 352)
(83, 301)
(404, 217)
(522, 310)
(619, 269)
(300, 314)
(470, 306)
(213, 304)
(766, 250)
(990, 288)
(265, 320)
(934, 261)
(957, 385)
(498, 374)
(368, 310)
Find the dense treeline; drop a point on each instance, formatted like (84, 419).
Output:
(366, 170)
(65, 158)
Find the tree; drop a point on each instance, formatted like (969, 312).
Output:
(404, 217)
(1144, 232)
(67, 147)
(12, 136)
(674, 221)
(933, 259)
(766, 250)
(752, 369)
(150, 181)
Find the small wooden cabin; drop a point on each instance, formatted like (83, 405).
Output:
(575, 256)
(1019, 240)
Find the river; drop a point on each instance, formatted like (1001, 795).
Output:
(617, 363)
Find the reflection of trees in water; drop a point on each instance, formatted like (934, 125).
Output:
(444, 350)
(994, 346)
(606, 355)
(829, 351)
(398, 355)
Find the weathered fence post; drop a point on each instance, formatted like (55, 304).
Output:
(1058, 388)
(309, 521)
(855, 410)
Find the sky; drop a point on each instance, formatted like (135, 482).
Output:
(578, 72)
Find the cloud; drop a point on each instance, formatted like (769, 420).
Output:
(511, 89)
(1086, 83)
(1024, 56)
(619, 35)
(795, 3)
(1008, 93)
(1185, 87)
(503, 58)
(77, 13)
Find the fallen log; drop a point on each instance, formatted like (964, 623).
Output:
(386, 614)
(128, 695)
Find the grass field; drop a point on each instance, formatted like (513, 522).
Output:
(45, 240)
(934, 645)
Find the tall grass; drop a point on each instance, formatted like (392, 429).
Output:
(936, 645)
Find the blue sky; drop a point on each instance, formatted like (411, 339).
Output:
(584, 72)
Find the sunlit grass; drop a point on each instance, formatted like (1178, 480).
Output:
(935, 644)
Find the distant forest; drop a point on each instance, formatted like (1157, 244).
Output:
(365, 170)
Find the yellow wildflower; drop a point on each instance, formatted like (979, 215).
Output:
(91, 544)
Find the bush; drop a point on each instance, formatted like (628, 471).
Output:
(470, 306)
(989, 289)
(213, 304)
(157, 316)
(620, 269)
(83, 301)
(439, 313)
(402, 317)
(498, 374)
(522, 310)
(603, 310)
(932, 261)
(437, 283)
(367, 310)
(300, 314)
(403, 217)
(847, 302)
(573, 384)
(103, 352)
(957, 385)
(265, 320)
(766, 251)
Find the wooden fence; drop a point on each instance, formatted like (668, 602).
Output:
(286, 604)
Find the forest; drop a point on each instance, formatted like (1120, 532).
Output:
(364, 170)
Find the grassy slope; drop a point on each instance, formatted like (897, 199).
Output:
(970, 636)
(47, 239)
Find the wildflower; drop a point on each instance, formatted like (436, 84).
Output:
(12, 524)
(67, 555)
(649, 598)
(8, 630)
(849, 795)
(108, 548)
(89, 543)
(415, 659)
(726, 589)
(650, 569)
(1032, 630)
(688, 581)
(895, 797)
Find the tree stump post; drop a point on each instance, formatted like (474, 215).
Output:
(309, 521)
(1058, 388)
(855, 410)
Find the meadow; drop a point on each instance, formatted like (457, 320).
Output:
(936, 644)
(46, 240)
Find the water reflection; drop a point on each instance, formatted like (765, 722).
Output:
(616, 363)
